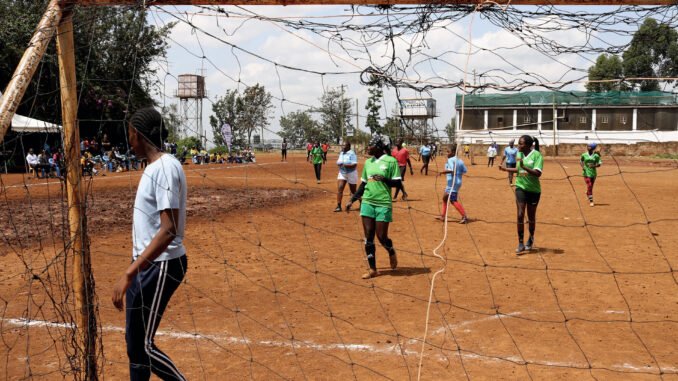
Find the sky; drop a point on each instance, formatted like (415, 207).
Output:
(215, 44)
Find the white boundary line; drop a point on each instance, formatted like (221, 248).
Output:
(376, 349)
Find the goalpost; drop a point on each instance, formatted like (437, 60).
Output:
(57, 19)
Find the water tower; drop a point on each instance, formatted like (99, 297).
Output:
(191, 92)
(417, 110)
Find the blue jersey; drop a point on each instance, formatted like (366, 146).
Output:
(454, 184)
(425, 151)
(510, 154)
(347, 158)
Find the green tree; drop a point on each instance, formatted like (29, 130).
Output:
(228, 109)
(256, 108)
(172, 120)
(373, 106)
(298, 127)
(115, 51)
(331, 112)
(393, 126)
(653, 52)
(606, 67)
(451, 129)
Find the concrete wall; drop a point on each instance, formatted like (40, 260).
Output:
(566, 149)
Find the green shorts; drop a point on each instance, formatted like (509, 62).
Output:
(379, 213)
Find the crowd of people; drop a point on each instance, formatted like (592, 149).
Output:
(201, 156)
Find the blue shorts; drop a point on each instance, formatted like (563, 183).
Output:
(452, 196)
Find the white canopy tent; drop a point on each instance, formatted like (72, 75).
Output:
(25, 124)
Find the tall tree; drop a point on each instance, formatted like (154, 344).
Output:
(606, 67)
(451, 129)
(373, 106)
(172, 118)
(256, 109)
(653, 52)
(298, 127)
(228, 109)
(332, 113)
(115, 51)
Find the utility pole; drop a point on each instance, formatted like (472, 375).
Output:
(355, 132)
(555, 119)
(342, 112)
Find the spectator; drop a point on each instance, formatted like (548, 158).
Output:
(105, 144)
(33, 163)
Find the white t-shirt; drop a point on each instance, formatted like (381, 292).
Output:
(32, 159)
(162, 186)
(491, 152)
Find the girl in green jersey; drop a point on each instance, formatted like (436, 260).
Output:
(380, 174)
(589, 161)
(529, 165)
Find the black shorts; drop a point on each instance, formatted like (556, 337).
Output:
(525, 197)
(426, 158)
(403, 170)
(510, 165)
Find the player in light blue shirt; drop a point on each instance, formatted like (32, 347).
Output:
(348, 164)
(454, 169)
(510, 153)
(425, 156)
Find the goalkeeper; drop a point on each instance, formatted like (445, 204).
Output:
(380, 174)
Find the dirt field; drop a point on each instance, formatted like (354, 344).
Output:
(274, 289)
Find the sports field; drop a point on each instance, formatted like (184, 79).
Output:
(273, 289)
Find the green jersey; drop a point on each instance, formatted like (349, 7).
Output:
(317, 154)
(587, 160)
(525, 180)
(377, 193)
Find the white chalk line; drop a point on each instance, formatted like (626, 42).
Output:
(127, 174)
(377, 349)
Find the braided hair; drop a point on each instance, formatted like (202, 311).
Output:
(382, 142)
(148, 122)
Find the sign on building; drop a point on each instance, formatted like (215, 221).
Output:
(417, 108)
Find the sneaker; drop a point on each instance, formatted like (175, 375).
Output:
(317, 181)
(404, 197)
(530, 242)
(393, 260)
(520, 248)
(591, 203)
(370, 274)
(338, 208)
(463, 220)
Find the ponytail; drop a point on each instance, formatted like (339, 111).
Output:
(529, 140)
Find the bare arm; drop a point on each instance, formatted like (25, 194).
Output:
(168, 231)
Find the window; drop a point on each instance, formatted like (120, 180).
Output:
(622, 119)
(582, 119)
(500, 119)
(527, 119)
(604, 120)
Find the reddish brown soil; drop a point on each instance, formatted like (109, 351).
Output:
(274, 288)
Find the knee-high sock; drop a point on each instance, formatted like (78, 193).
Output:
(370, 250)
(459, 208)
(388, 245)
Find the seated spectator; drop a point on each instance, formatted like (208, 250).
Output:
(43, 164)
(33, 163)
(195, 155)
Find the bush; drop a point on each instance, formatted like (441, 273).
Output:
(219, 150)
(189, 143)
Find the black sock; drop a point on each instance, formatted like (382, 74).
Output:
(370, 249)
(521, 236)
(389, 247)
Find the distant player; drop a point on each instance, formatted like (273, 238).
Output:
(528, 189)
(348, 172)
(454, 169)
(283, 151)
(491, 153)
(309, 147)
(402, 155)
(510, 153)
(159, 265)
(466, 150)
(425, 156)
(589, 161)
(325, 146)
(380, 174)
(317, 160)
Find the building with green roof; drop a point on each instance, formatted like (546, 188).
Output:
(612, 117)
